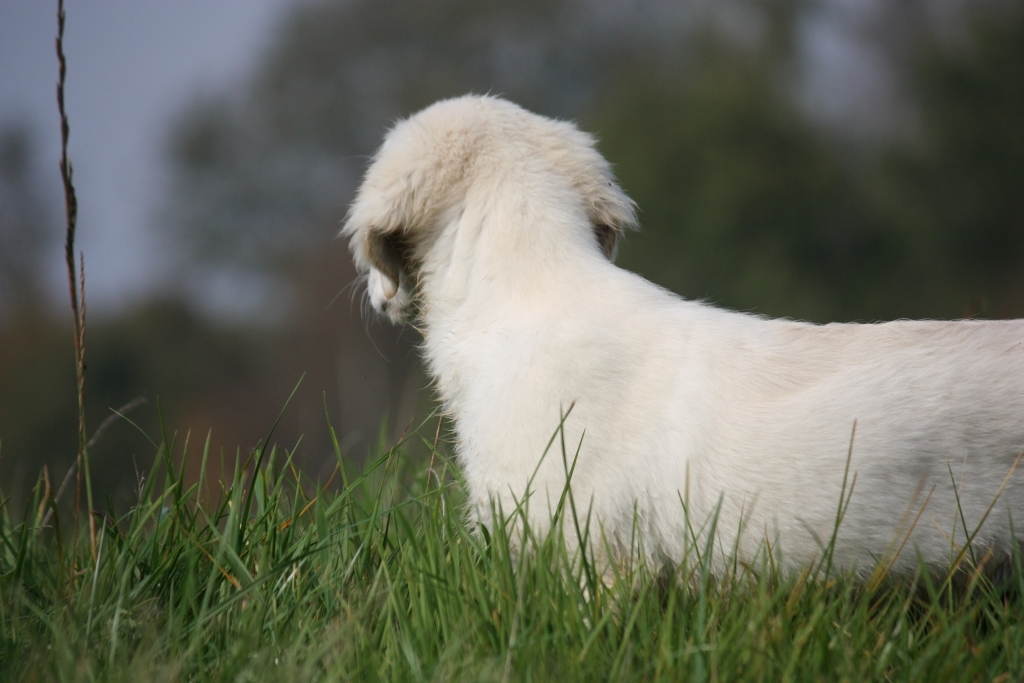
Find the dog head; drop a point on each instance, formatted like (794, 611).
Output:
(418, 181)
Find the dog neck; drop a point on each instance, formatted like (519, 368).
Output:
(505, 260)
(507, 248)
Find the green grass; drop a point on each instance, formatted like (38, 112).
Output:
(378, 577)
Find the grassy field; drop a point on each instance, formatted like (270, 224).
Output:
(376, 576)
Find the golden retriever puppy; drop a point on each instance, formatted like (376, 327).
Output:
(494, 228)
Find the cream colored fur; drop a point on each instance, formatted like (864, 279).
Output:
(493, 228)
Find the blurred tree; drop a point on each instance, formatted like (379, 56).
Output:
(37, 378)
(957, 189)
(24, 224)
(158, 351)
(742, 201)
(262, 171)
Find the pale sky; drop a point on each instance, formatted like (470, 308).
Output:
(133, 65)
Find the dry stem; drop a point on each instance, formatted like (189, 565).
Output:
(76, 281)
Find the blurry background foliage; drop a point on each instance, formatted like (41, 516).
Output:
(756, 190)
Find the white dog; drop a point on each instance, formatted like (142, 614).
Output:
(494, 229)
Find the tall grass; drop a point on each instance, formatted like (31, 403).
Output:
(375, 575)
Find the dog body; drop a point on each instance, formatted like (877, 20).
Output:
(494, 227)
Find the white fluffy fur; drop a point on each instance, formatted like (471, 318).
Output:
(493, 227)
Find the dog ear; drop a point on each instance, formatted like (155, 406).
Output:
(611, 213)
(608, 238)
(388, 252)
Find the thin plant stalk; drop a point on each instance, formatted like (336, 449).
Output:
(76, 281)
